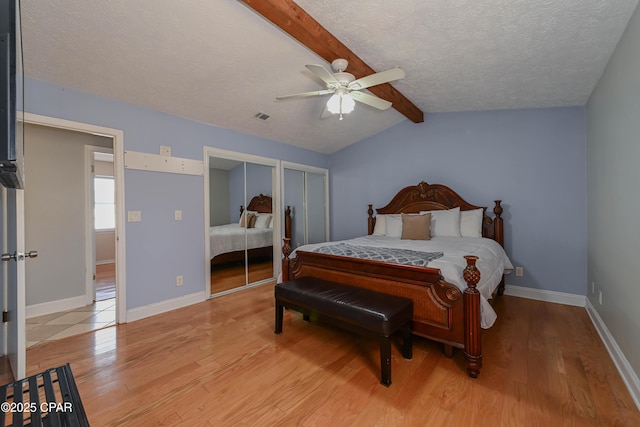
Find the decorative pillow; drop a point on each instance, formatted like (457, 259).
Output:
(416, 227)
(445, 223)
(380, 228)
(393, 225)
(262, 220)
(247, 219)
(471, 223)
(242, 216)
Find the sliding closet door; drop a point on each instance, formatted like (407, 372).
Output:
(306, 193)
(316, 209)
(243, 220)
(294, 199)
(259, 181)
(227, 240)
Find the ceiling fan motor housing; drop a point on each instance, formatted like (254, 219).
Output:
(344, 78)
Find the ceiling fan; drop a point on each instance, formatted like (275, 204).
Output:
(346, 89)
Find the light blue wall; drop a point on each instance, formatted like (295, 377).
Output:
(534, 160)
(613, 180)
(159, 248)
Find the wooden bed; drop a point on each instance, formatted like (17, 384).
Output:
(441, 311)
(260, 204)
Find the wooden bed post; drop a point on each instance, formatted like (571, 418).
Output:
(371, 222)
(472, 333)
(286, 251)
(498, 233)
(498, 223)
(287, 222)
(286, 247)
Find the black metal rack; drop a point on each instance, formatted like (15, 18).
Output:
(49, 398)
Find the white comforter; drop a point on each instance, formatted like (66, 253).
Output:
(231, 237)
(492, 261)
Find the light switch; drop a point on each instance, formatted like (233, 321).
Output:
(178, 215)
(134, 216)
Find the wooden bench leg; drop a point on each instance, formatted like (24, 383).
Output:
(407, 341)
(385, 361)
(279, 316)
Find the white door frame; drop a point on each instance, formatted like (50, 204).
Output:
(90, 231)
(118, 173)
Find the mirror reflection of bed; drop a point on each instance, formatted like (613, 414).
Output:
(253, 231)
(241, 224)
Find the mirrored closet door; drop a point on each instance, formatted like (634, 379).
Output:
(241, 222)
(305, 192)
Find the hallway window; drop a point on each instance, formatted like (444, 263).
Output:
(105, 211)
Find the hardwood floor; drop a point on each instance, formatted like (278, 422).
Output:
(105, 281)
(233, 275)
(219, 363)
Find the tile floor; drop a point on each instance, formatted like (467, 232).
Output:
(54, 326)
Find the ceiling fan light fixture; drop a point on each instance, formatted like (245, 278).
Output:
(340, 103)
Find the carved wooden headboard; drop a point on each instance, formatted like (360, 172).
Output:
(260, 204)
(428, 197)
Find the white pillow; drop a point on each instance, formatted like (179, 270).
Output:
(262, 220)
(471, 223)
(445, 223)
(393, 225)
(380, 228)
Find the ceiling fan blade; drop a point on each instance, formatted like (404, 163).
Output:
(371, 100)
(324, 75)
(305, 94)
(377, 78)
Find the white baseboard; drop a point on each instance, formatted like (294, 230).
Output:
(627, 373)
(106, 261)
(41, 309)
(548, 296)
(164, 306)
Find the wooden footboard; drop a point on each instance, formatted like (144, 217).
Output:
(441, 311)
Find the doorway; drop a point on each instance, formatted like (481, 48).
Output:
(59, 220)
(15, 341)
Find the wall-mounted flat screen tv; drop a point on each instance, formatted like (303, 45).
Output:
(11, 96)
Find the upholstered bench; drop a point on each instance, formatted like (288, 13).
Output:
(360, 310)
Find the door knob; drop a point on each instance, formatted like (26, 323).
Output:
(19, 256)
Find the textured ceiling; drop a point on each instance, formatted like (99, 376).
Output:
(219, 62)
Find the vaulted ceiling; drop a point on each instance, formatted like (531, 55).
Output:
(220, 62)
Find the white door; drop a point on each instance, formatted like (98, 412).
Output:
(13, 259)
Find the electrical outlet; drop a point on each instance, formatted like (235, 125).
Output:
(600, 297)
(519, 271)
(179, 281)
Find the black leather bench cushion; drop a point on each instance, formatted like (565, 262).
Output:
(377, 312)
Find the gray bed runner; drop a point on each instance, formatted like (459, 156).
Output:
(392, 255)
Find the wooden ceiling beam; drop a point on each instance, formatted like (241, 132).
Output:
(293, 20)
